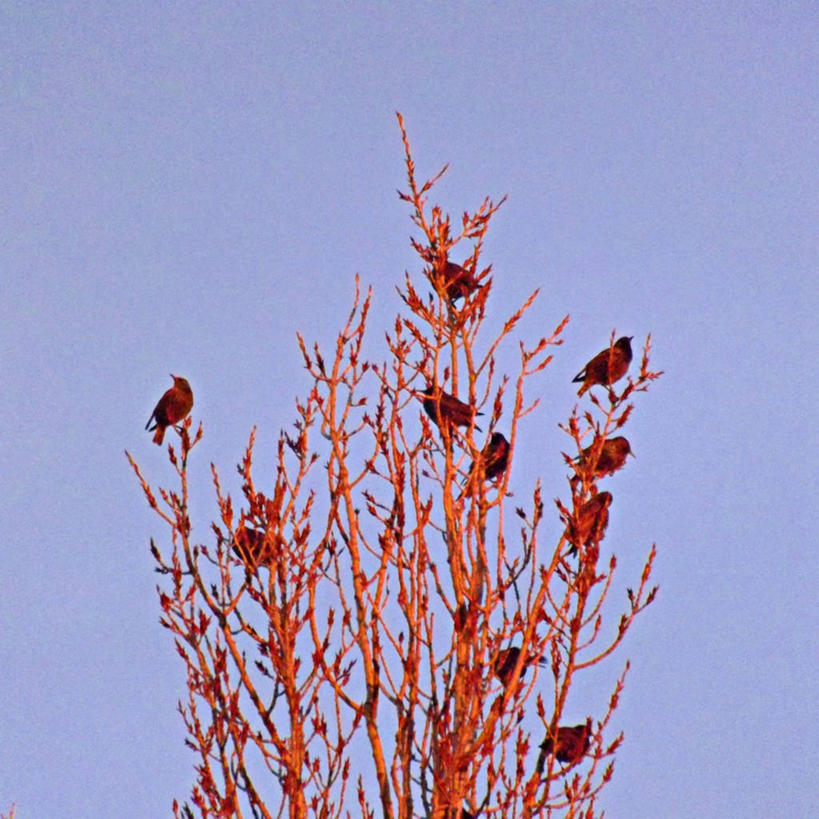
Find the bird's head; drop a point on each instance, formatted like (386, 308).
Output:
(622, 446)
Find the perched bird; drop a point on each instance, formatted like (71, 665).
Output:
(494, 456)
(250, 547)
(572, 743)
(448, 408)
(172, 408)
(590, 522)
(458, 813)
(506, 661)
(612, 456)
(458, 282)
(607, 366)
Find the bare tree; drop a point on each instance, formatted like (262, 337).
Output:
(375, 629)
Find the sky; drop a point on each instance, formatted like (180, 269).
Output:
(186, 186)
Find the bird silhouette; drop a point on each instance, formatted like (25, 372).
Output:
(458, 282)
(441, 405)
(250, 546)
(589, 524)
(494, 457)
(507, 660)
(613, 454)
(571, 746)
(172, 408)
(607, 366)
(458, 813)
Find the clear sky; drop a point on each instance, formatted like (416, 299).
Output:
(186, 185)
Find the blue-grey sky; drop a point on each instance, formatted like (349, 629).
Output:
(185, 186)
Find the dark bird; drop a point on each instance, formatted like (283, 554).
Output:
(457, 281)
(494, 457)
(448, 408)
(607, 366)
(172, 408)
(506, 661)
(590, 522)
(612, 456)
(572, 743)
(456, 813)
(250, 546)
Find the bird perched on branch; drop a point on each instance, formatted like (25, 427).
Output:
(441, 405)
(494, 456)
(458, 813)
(590, 522)
(506, 661)
(250, 546)
(613, 454)
(571, 746)
(172, 408)
(607, 366)
(458, 282)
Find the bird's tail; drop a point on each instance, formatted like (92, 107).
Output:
(159, 435)
(545, 750)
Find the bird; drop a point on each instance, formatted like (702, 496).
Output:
(250, 546)
(448, 408)
(458, 282)
(458, 813)
(590, 522)
(572, 743)
(507, 660)
(607, 366)
(613, 454)
(494, 457)
(172, 408)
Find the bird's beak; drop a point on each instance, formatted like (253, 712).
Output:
(173, 376)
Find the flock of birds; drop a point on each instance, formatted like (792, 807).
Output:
(583, 529)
